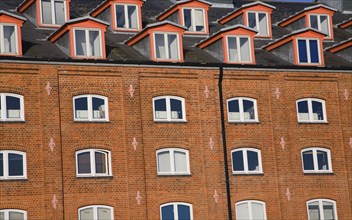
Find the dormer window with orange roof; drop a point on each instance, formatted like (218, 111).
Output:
(161, 42)
(256, 15)
(46, 13)
(192, 14)
(10, 34)
(123, 15)
(81, 38)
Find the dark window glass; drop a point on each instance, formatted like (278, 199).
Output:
(188, 18)
(183, 212)
(323, 163)
(84, 163)
(160, 109)
(314, 53)
(303, 107)
(167, 212)
(13, 107)
(100, 162)
(317, 110)
(98, 108)
(237, 161)
(81, 107)
(302, 51)
(176, 109)
(120, 16)
(253, 161)
(132, 16)
(248, 109)
(15, 165)
(252, 20)
(314, 21)
(234, 106)
(308, 163)
(1, 165)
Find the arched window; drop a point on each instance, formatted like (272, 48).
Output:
(311, 110)
(316, 160)
(173, 161)
(250, 210)
(13, 214)
(242, 110)
(12, 165)
(177, 211)
(93, 162)
(96, 212)
(90, 108)
(169, 108)
(321, 209)
(246, 161)
(11, 107)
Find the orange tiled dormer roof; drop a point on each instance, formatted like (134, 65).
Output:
(340, 46)
(345, 24)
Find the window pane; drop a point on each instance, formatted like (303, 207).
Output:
(242, 211)
(234, 110)
(81, 108)
(160, 109)
(257, 211)
(16, 215)
(80, 42)
(173, 48)
(1, 164)
(317, 110)
(199, 20)
(94, 43)
(2, 216)
(132, 16)
(9, 39)
(263, 25)
(328, 209)
(83, 163)
(176, 109)
(233, 51)
(167, 212)
(244, 44)
(253, 161)
(180, 161)
(160, 46)
(98, 108)
(314, 21)
(184, 212)
(120, 16)
(314, 53)
(86, 214)
(324, 24)
(100, 162)
(323, 163)
(188, 18)
(13, 107)
(237, 161)
(0, 107)
(308, 163)
(59, 12)
(302, 51)
(251, 21)
(313, 211)
(248, 109)
(303, 113)
(46, 12)
(15, 165)
(164, 162)
(104, 214)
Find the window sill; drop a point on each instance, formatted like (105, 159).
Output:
(14, 121)
(170, 121)
(94, 177)
(319, 173)
(14, 179)
(244, 122)
(247, 174)
(174, 175)
(75, 121)
(313, 122)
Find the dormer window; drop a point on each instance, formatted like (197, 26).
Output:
(126, 16)
(87, 43)
(8, 39)
(320, 22)
(259, 22)
(53, 12)
(166, 46)
(194, 19)
(238, 49)
(308, 51)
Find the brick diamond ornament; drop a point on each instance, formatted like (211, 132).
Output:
(134, 143)
(277, 93)
(288, 194)
(48, 88)
(282, 143)
(55, 202)
(206, 92)
(51, 144)
(131, 90)
(211, 143)
(345, 94)
(351, 142)
(139, 198)
(216, 196)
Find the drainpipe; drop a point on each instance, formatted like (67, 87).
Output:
(223, 134)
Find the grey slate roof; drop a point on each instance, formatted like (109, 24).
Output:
(35, 45)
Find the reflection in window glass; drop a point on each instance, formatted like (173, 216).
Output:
(242, 110)
(176, 109)
(250, 210)
(12, 164)
(246, 160)
(84, 163)
(93, 162)
(96, 212)
(120, 16)
(316, 160)
(253, 161)
(169, 108)
(98, 108)
(308, 162)
(311, 110)
(9, 39)
(160, 109)
(173, 161)
(168, 211)
(237, 161)
(13, 107)
(90, 108)
(81, 107)
(321, 209)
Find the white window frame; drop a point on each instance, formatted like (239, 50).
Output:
(7, 213)
(239, 54)
(249, 202)
(166, 41)
(52, 12)
(315, 160)
(95, 210)
(319, 22)
(172, 161)
(310, 110)
(2, 38)
(309, 62)
(5, 154)
(93, 163)
(240, 103)
(193, 19)
(89, 52)
(257, 21)
(4, 106)
(90, 108)
(175, 204)
(168, 109)
(126, 16)
(245, 161)
(321, 210)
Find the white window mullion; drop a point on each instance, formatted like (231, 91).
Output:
(6, 165)
(52, 2)
(168, 108)
(310, 110)
(193, 21)
(315, 160)
(92, 162)
(257, 21)
(90, 106)
(240, 102)
(2, 38)
(95, 212)
(166, 46)
(245, 161)
(239, 54)
(172, 161)
(126, 16)
(321, 211)
(250, 215)
(308, 50)
(3, 107)
(87, 43)
(175, 212)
